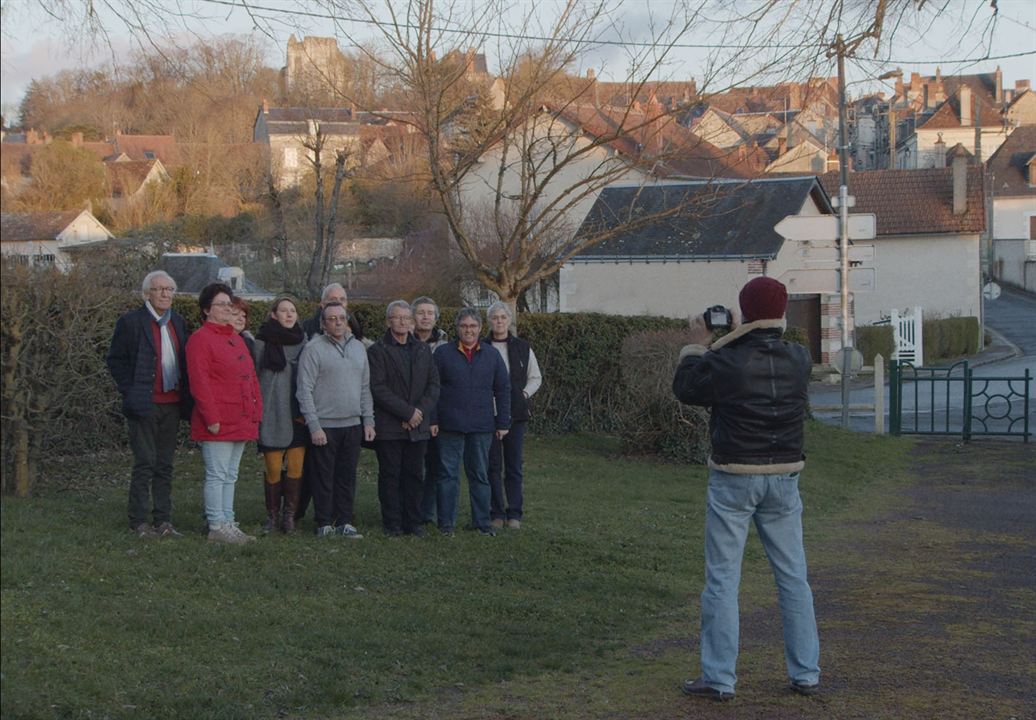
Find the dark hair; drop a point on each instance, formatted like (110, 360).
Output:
(209, 293)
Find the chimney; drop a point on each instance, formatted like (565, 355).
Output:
(794, 96)
(965, 106)
(892, 138)
(924, 95)
(960, 184)
(266, 107)
(915, 81)
(31, 138)
(940, 152)
(899, 83)
(998, 91)
(1021, 85)
(590, 74)
(938, 74)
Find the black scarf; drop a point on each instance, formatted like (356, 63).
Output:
(276, 336)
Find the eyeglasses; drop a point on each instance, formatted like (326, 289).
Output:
(222, 304)
(162, 290)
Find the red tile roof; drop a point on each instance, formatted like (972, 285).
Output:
(24, 227)
(678, 149)
(1010, 165)
(915, 202)
(948, 115)
(137, 147)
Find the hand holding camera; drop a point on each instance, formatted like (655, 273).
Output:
(715, 318)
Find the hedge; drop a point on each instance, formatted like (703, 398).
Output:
(581, 356)
(942, 339)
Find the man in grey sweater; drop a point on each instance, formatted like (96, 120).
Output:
(335, 399)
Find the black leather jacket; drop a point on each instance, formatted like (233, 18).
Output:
(757, 386)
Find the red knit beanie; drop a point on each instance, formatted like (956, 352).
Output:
(763, 298)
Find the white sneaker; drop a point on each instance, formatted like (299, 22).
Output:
(223, 533)
(349, 532)
(236, 530)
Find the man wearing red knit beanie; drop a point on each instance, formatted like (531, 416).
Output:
(756, 385)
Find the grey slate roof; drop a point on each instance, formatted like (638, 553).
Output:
(709, 219)
(193, 271)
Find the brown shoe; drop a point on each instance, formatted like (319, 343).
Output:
(292, 487)
(498, 523)
(144, 531)
(273, 506)
(514, 524)
(166, 530)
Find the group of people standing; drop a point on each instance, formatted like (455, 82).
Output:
(311, 394)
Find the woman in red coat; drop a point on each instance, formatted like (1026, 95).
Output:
(227, 407)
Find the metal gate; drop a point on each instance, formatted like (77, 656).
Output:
(953, 401)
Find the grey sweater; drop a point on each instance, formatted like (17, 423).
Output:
(334, 384)
(277, 428)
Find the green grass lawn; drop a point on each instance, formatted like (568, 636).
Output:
(588, 611)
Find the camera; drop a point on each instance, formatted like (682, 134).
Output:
(718, 317)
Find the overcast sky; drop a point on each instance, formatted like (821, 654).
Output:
(35, 45)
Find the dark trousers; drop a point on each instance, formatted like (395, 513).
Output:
(430, 498)
(153, 444)
(333, 476)
(505, 474)
(400, 487)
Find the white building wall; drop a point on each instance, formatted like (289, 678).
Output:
(939, 274)
(671, 289)
(923, 155)
(1011, 216)
(1015, 262)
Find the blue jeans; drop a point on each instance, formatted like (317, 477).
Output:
(773, 503)
(221, 462)
(474, 448)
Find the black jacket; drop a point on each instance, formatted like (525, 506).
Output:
(757, 386)
(132, 361)
(518, 368)
(402, 378)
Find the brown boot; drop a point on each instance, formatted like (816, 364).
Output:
(273, 506)
(292, 487)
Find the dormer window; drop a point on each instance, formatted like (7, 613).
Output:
(149, 154)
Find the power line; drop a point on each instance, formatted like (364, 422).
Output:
(946, 61)
(251, 7)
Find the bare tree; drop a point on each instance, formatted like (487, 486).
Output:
(325, 215)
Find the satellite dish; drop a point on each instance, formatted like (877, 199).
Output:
(991, 291)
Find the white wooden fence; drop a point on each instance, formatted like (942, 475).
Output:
(908, 345)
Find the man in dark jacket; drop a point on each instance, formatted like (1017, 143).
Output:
(405, 387)
(757, 387)
(146, 358)
(474, 403)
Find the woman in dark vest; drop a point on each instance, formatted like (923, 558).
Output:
(505, 456)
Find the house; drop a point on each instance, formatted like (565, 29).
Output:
(128, 179)
(369, 137)
(1012, 186)
(927, 251)
(707, 239)
(50, 238)
(193, 271)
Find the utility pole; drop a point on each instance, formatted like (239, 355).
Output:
(843, 213)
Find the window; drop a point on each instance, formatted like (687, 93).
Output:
(149, 155)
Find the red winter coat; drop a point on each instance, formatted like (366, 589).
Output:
(227, 390)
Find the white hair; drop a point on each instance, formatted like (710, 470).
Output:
(498, 306)
(145, 287)
(397, 304)
(331, 288)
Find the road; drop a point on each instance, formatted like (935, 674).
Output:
(927, 406)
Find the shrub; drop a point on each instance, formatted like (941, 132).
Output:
(949, 338)
(874, 339)
(57, 394)
(652, 420)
